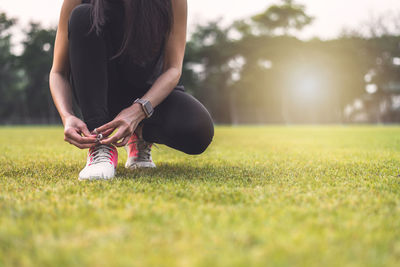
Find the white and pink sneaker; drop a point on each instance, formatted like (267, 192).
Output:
(139, 153)
(101, 163)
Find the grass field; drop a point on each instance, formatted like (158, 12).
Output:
(260, 196)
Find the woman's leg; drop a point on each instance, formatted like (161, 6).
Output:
(180, 122)
(89, 67)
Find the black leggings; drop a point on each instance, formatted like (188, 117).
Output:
(103, 87)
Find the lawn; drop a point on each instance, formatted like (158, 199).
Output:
(259, 196)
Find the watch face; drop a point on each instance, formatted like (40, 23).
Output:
(148, 107)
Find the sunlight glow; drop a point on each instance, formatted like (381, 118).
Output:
(235, 65)
(265, 63)
(396, 61)
(307, 84)
(371, 88)
(46, 47)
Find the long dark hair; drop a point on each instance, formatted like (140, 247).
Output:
(147, 24)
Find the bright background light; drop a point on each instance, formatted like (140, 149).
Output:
(331, 15)
(306, 83)
(371, 88)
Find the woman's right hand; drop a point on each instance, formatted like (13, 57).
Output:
(76, 133)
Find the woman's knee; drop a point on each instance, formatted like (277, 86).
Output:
(186, 123)
(80, 20)
(199, 135)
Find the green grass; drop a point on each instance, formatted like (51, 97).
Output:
(279, 196)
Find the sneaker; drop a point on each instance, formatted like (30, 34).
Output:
(101, 163)
(139, 153)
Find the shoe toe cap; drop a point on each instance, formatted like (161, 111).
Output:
(97, 172)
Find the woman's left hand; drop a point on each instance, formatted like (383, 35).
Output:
(125, 123)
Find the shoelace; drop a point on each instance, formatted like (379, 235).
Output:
(144, 149)
(101, 153)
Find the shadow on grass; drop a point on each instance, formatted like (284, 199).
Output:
(164, 172)
(189, 172)
(218, 172)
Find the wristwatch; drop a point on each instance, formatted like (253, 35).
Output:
(146, 106)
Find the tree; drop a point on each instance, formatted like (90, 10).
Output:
(210, 49)
(285, 17)
(36, 61)
(8, 70)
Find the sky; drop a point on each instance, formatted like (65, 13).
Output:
(331, 15)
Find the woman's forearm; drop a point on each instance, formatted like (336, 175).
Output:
(61, 92)
(163, 86)
(173, 56)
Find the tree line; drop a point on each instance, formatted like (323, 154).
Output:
(252, 71)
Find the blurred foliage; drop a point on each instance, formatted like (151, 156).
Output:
(8, 68)
(25, 95)
(252, 71)
(36, 61)
(287, 16)
(256, 71)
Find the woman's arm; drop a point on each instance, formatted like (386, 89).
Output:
(174, 53)
(60, 88)
(129, 118)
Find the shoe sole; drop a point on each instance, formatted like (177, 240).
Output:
(140, 165)
(97, 178)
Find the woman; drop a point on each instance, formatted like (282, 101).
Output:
(121, 61)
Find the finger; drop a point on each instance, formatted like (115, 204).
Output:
(85, 131)
(111, 124)
(83, 139)
(113, 139)
(76, 137)
(123, 142)
(78, 145)
(108, 132)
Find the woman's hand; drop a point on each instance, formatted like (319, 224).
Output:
(76, 133)
(126, 122)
